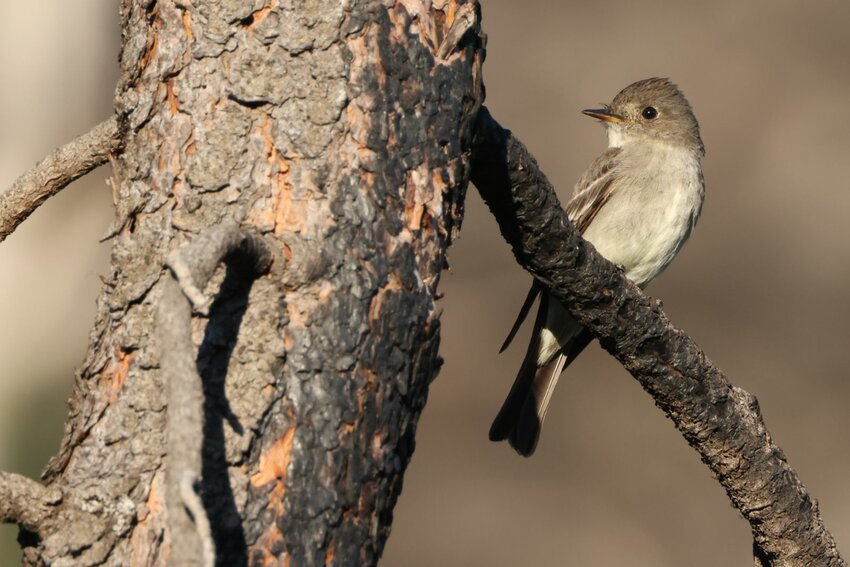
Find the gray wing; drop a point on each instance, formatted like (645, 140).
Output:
(593, 189)
(522, 413)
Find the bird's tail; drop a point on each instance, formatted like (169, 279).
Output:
(528, 408)
(521, 416)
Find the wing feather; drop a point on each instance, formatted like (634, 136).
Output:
(591, 193)
(593, 189)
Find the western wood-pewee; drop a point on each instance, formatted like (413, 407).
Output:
(637, 204)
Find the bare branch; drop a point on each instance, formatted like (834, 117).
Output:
(22, 501)
(55, 172)
(202, 523)
(195, 263)
(192, 267)
(184, 426)
(722, 422)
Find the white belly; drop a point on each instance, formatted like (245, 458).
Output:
(645, 222)
(650, 214)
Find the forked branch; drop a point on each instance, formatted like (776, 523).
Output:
(722, 422)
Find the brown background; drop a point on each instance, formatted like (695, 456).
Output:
(763, 285)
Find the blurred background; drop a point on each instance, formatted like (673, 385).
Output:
(762, 285)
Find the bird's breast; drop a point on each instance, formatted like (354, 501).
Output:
(654, 205)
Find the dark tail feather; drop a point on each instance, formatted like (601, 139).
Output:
(509, 414)
(512, 407)
(536, 288)
(521, 416)
(526, 430)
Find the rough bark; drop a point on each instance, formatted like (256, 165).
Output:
(722, 422)
(340, 131)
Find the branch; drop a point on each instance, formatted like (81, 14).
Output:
(22, 501)
(195, 505)
(722, 422)
(55, 172)
(194, 264)
(192, 267)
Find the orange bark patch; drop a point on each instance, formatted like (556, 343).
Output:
(152, 42)
(423, 197)
(189, 147)
(173, 103)
(289, 217)
(275, 460)
(330, 553)
(288, 341)
(149, 53)
(273, 464)
(368, 389)
(297, 316)
(413, 210)
(154, 502)
(116, 374)
(450, 19)
(326, 290)
(439, 184)
(265, 214)
(260, 15)
(148, 531)
(358, 125)
(187, 25)
(393, 284)
(378, 444)
(265, 132)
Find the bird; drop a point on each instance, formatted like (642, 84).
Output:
(637, 204)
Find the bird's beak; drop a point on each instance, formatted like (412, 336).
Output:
(603, 114)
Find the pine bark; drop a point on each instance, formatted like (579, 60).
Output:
(340, 132)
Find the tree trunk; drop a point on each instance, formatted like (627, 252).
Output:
(340, 131)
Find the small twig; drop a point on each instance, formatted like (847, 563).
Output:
(192, 266)
(22, 501)
(55, 172)
(723, 423)
(202, 523)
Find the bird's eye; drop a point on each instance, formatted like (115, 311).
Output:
(649, 113)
